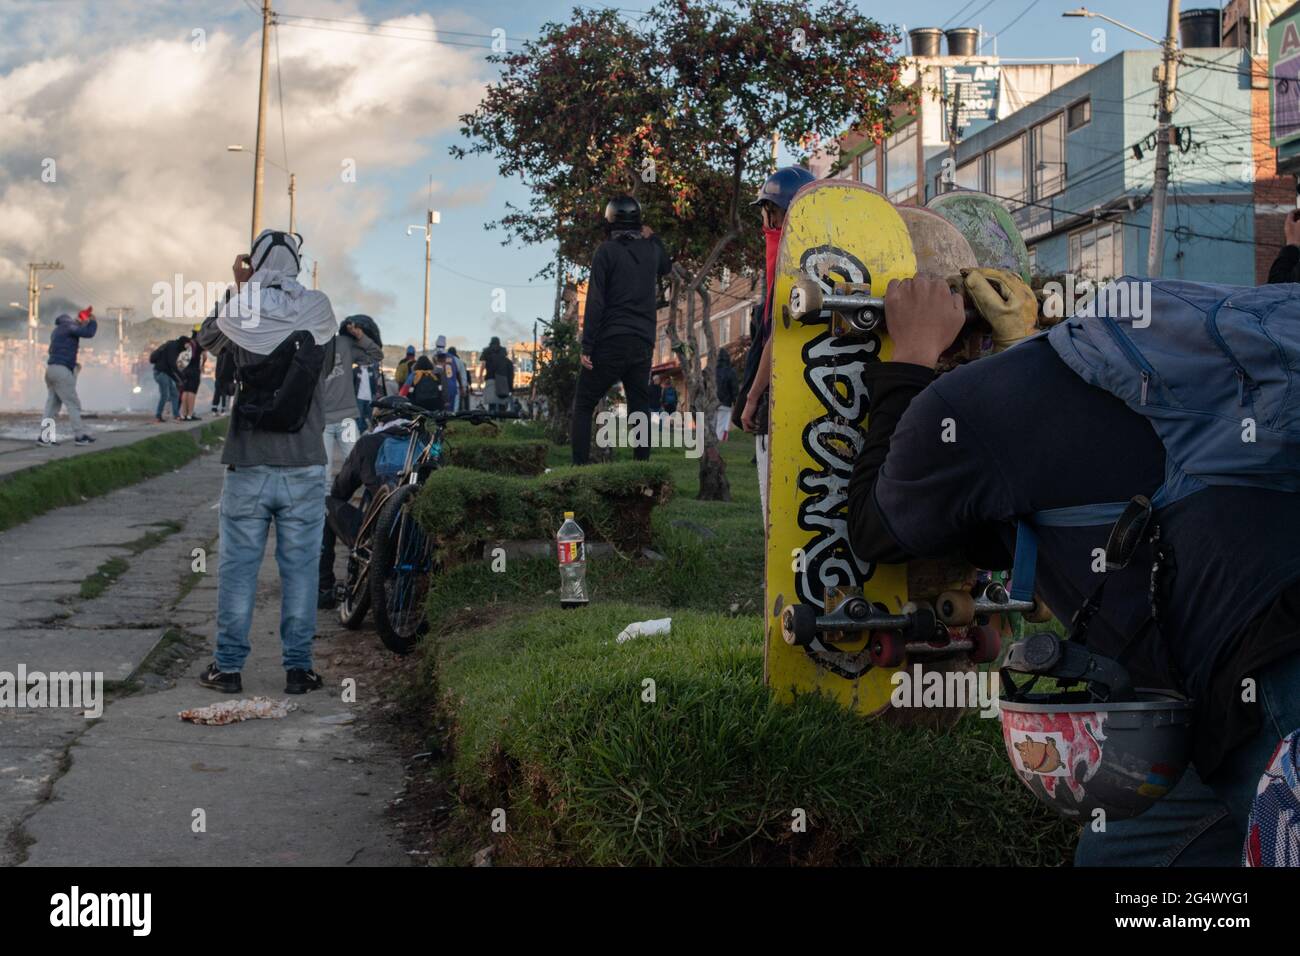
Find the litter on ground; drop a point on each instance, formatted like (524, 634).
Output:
(233, 711)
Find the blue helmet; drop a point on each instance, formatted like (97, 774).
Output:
(782, 185)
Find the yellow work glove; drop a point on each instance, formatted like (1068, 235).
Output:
(1005, 301)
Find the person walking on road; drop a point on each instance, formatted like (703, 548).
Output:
(496, 372)
(618, 331)
(61, 374)
(282, 336)
(462, 380)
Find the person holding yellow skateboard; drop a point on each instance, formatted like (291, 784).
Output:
(975, 461)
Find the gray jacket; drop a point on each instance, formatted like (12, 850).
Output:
(338, 391)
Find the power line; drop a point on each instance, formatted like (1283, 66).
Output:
(1016, 19)
(390, 36)
(279, 82)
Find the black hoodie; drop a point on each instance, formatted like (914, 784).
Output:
(624, 287)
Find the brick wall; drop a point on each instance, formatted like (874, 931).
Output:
(1271, 190)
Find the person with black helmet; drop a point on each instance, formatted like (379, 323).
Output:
(618, 331)
(750, 410)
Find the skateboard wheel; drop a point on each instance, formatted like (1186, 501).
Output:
(1041, 613)
(988, 644)
(886, 649)
(955, 608)
(799, 625)
(805, 298)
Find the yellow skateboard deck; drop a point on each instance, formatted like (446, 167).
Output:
(834, 231)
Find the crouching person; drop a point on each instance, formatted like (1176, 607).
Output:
(282, 335)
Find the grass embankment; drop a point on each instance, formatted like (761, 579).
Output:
(69, 481)
(669, 750)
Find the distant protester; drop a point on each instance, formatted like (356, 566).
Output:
(282, 335)
(427, 385)
(190, 364)
(462, 380)
(166, 362)
(61, 373)
(728, 388)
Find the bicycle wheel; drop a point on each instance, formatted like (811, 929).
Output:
(400, 570)
(355, 600)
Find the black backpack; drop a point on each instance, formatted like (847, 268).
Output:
(275, 393)
(427, 392)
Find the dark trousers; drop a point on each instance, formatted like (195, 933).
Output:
(342, 522)
(623, 359)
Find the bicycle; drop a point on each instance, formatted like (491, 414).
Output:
(390, 565)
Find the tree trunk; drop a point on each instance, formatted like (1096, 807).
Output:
(701, 382)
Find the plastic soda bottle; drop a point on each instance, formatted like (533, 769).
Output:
(571, 550)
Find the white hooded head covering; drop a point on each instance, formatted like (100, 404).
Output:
(273, 304)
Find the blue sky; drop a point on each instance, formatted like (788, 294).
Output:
(368, 263)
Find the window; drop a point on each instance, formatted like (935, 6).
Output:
(724, 330)
(1033, 260)
(900, 164)
(1049, 157)
(1080, 114)
(968, 175)
(867, 167)
(1098, 252)
(1008, 173)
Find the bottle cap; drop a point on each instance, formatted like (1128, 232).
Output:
(568, 515)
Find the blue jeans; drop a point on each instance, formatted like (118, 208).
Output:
(250, 499)
(363, 422)
(167, 392)
(1203, 823)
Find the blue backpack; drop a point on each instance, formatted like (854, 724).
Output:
(1215, 369)
(392, 454)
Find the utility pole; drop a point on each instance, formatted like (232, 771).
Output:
(121, 310)
(954, 133)
(292, 189)
(315, 268)
(34, 270)
(259, 152)
(1167, 74)
(432, 217)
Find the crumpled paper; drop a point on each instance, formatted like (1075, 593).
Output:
(234, 711)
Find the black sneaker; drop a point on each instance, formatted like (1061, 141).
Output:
(227, 683)
(327, 598)
(48, 442)
(84, 440)
(299, 681)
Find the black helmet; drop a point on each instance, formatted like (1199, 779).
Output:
(623, 212)
(781, 186)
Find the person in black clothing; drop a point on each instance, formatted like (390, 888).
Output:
(165, 360)
(494, 360)
(618, 330)
(426, 385)
(223, 384)
(342, 518)
(1286, 267)
(656, 395)
(728, 389)
(949, 464)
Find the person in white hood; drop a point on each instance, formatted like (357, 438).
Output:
(271, 476)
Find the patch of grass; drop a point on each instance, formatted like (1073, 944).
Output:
(69, 481)
(98, 582)
(502, 456)
(551, 720)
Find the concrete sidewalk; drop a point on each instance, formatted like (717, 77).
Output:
(18, 432)
(133, 786)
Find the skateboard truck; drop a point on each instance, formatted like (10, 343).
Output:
(891, 638)
(852, 302)
(961, 608)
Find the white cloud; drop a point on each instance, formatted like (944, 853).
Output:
(138, 127)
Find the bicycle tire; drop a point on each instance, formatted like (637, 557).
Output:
(400, 636)
(355, 601)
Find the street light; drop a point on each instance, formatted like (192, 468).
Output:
(236, 148)
(1085, 12)
(432, 218)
